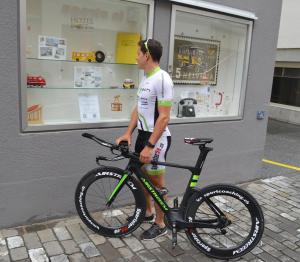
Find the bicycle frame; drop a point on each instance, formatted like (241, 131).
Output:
(174, 215)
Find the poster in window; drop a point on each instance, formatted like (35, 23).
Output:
(51, 47)
(195, 60)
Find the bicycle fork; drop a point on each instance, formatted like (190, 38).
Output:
(117, 189)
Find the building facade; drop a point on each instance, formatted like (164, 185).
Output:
(285, 99)
(68, 67)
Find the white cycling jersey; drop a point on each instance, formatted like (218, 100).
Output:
(156, 89)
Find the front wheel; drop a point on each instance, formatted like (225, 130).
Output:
(243, 226)
(125, 213)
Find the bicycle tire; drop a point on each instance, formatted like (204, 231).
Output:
(243, 242)
(121, 218)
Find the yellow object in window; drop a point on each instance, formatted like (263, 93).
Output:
(127, 45)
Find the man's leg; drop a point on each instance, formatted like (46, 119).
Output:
(149, 200)
(159, 182)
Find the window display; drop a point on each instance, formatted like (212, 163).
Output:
(80, 62)
(208, 62)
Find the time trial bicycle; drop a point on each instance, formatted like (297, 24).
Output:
(221, 220)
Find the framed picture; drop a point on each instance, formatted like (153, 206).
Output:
(195, 61)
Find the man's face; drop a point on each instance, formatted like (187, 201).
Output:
(141, 58)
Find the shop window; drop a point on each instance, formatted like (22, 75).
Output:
(286, 87)
(79, 67)
(208, 62)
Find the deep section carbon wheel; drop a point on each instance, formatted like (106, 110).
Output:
(125, 213)
(239, 231)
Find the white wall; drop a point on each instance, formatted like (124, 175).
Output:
(289, 31)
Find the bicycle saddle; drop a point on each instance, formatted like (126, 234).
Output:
(198, 141)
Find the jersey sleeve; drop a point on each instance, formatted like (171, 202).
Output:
(164, 90)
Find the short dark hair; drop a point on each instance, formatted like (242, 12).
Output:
(152, 46)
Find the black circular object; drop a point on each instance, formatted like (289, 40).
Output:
(99, 56)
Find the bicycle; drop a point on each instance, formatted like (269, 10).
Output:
(221, 220)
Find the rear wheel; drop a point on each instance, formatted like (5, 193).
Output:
(244, 217)
(125, 213)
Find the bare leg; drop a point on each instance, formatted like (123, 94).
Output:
(149, 200)
(159, 182)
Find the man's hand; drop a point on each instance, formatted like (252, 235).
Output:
(146, 155)
(125, 137)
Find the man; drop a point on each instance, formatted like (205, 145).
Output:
(151, 116)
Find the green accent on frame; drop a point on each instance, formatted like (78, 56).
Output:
(118, 186)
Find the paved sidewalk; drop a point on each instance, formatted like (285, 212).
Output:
(69, 240)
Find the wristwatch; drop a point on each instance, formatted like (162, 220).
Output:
(148, 144)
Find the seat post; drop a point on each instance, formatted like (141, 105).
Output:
(203, 153)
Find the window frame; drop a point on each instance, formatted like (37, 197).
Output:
(23, 83)
(227, 17)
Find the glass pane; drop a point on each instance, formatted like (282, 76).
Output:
(278, 71)
(208, 66)
(286, 91)
(292, 72)
(80, 60)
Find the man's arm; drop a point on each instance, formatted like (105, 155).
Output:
(160, 124)
(131, 126)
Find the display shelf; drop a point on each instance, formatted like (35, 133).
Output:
(86, 88)
(79, 62)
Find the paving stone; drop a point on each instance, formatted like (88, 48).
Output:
(146, 255)
(116, 242)
(97, 239)
(126, 253)
(53, 248)
(289, 236)
(3, 251)
(273, 228)
(35, 228)
(38, 255)
(18, 253)
(62, 233)
(89, 249)
(46, 235)
(78, 234)
(284, 258)
(292, 254)
(134, 244)
(5, 258)
(285, 215)
(60, 258)
(78, 257)
(267, 257)
(291, 245)
(189, 258)
(97, 259)
(2, 242)
(32, 240)
(86, 229)
(271, 250)
(14, 242)
(109, 252)
(174, 252)
(162, 255)
(70, 246)
(150, 244)
(9, 232)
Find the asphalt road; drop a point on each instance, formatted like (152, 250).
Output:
(282, 146)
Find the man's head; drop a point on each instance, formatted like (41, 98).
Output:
(149, 51)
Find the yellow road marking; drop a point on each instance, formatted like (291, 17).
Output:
(280, 164)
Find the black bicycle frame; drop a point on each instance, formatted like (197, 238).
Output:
(173, 214)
